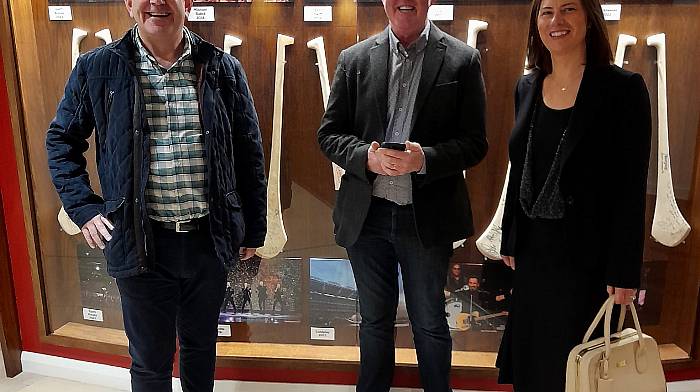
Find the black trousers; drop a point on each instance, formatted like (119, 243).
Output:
(388, 239)
(180, 298)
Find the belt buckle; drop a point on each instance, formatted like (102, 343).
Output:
(178, 223)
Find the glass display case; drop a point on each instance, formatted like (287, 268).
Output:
(301, 305)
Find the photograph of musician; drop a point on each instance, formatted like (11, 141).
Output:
(473, 284)
(573, 225)
(277, 298)
(262, 296)
(455, 280)
(182, 175)
(405, 118)
(229, 303)
(246, 293)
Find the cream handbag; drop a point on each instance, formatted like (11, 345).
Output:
(626, 361)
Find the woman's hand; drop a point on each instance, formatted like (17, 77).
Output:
(623, 296)
(509, 261)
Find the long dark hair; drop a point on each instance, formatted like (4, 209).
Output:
(597, 43)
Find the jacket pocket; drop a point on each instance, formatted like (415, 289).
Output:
(115, 250)
(233, 200)
(102, 135)
(447, 84)
(111, 206)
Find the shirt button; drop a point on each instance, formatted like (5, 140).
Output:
(136, 200)
(400, 109)
(396, 133)
(136, 132)
(207, 132)
(391, 182)
(404, 85)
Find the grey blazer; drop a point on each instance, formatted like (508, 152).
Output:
(449, 123)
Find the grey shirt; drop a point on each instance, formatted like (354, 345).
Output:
(406, 66)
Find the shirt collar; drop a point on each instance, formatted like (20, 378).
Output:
(143, 52)
(418, 45)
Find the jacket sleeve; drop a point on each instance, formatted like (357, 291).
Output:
(510, 209)
(336, 135)
(628, 186)
(469, 147)
(66, 142)
(250, 162)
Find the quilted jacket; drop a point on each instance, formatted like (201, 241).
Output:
(103, 93)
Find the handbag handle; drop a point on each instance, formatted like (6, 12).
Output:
(606, 310)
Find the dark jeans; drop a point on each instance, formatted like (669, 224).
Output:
(389, 239)
(182, 294)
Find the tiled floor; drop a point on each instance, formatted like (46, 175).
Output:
(27, 382)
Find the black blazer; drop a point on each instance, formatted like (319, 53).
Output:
(448, 123)
(605, 162)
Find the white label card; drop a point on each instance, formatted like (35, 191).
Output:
(60, 12)
(441, 12)
(318, 13)
(225, 330)
(93, 315)
(201, 14)
(322, 333)
(612, 11)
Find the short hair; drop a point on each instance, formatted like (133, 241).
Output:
(598, 50)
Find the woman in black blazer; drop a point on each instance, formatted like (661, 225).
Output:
(573, 225)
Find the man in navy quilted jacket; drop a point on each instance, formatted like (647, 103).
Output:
(181, 168)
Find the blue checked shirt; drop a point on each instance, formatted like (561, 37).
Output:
(177, 183)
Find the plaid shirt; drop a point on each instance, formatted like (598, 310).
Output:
(177, 184)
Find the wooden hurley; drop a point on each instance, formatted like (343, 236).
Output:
(231, 41)
(623, 41)
(276, 236)
(489, 242)
(64, 221)
(317, 45)
(105, 35)
(668, 226)
(473, 28)
(78, 36)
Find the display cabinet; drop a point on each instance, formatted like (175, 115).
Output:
(299, 308)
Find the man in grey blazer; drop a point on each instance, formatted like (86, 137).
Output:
(414, 86)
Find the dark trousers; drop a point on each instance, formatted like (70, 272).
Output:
(388, 239)
(182, 295)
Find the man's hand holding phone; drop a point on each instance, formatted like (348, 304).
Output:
(395, 159)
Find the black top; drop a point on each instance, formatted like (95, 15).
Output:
(546, 135)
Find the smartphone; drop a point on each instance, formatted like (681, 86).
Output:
(394, 146)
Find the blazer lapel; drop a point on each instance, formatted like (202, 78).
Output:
(379, 66)
(522, 123)
(432, 62)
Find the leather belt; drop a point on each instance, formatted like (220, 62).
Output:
(183, 226)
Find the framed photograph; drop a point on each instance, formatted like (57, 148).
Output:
(269, 292)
